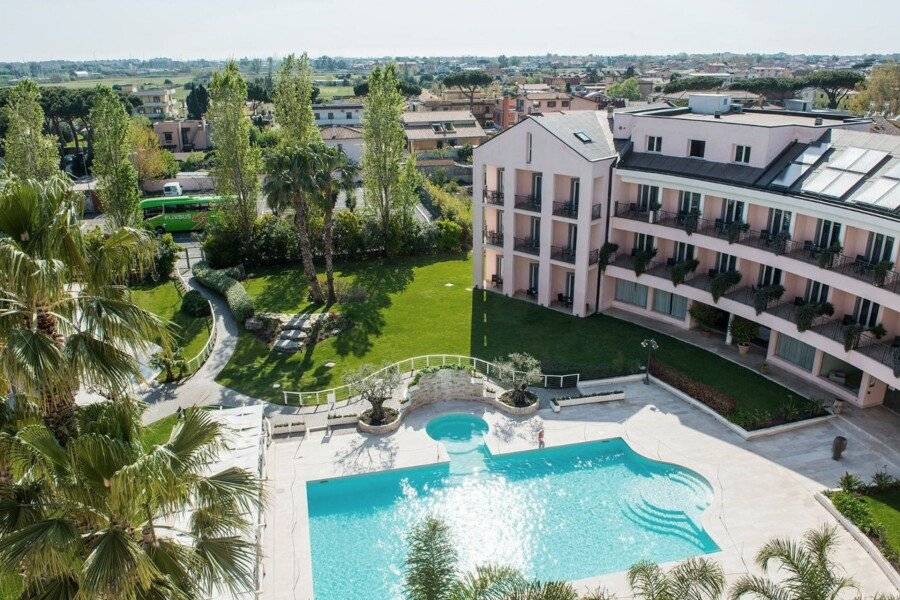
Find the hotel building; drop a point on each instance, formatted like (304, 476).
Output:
(694, 216)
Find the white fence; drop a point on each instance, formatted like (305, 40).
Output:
(417, 363)
(192, 364)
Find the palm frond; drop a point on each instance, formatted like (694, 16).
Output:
(758, 587)
(698, 579)
(648, 582)
(117, 565)
(229, 560)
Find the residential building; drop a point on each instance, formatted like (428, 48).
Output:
(339, 112)
(348, 139)
(428, 130)
(183, 135)
(157, 104)
(792, 219)
(760, 72)
(482, 105)
(510, 111)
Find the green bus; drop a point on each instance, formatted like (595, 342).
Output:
(178, 213)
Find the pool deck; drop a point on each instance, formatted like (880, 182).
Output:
(763, 488)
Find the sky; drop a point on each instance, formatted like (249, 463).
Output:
(98, 29)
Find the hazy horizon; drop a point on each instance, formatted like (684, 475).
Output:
(194, 29)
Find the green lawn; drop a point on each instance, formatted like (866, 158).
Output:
(885, 507)
(411, 311)
(151, 81)
(10, 585)
(164, 300)
(158, 432)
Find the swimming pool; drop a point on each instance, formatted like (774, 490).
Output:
(567, 512)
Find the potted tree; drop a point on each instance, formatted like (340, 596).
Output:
(376, 386)
(517, 371)
(743, 332)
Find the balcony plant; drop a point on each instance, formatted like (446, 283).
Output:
(722, 282)
(606, 252)
(691, 221)
(778, 242)
(680, 270)
(734, 229)
(807, 312)
(641, 260)
(825, 257)
(880, 271)
(878, 331)
(851, 336)
(765, 295)
(743, 332)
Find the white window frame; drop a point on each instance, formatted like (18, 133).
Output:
(742, 154)
(654, 143)
(528, 147)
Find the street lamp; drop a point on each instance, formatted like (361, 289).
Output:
(651, 345)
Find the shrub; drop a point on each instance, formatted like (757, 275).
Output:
(883, 481)
(765, 295)
(850, 482)
(350, 294)
(642, 260)
(851, 336)
(449, 236)
(722, 282)
(348, 233)
(681, 269)
(708, 317)
(742, 330)
(606, 252)
(194, 304)
(273, 242)
(222, 243)
(719, 401)
(239, 301)
(166, 255)
(855, 508)
(807, 312)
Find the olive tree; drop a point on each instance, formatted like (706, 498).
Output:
(375, 385)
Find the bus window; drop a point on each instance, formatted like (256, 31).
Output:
(152, 212)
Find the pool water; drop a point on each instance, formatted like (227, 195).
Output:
(562, 513)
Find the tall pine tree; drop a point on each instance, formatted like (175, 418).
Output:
(116, 175)
(29, 153)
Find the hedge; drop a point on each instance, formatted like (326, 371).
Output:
(718, 401)
(239, 301)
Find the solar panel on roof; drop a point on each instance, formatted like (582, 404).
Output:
(841, 185)
(867, 161)
(820, 180)
(812, 154)
(876, 190)
(893, 172)
(843, 158)
(789, 175)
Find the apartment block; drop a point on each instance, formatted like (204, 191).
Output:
(338, 113)
(429, 130)
(183, 135)
(157, 104)
(787, 219)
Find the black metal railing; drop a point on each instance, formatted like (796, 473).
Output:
(527, 244)
(632, 211)
(594, 256)
(494, 238)
(493, 197)
(596, 210)
(565, 208)
(563, 253)
(528, 202)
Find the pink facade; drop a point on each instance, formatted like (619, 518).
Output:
(861, 375)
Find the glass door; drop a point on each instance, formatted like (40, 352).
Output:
(536, 185)
(879, 247)
(535, 230)
(779, 221)
(570, 285)
(726, 263)
(769, 275)
(533, 269)
(866, 312)
(648, 197)
(498, 266)
(688, 202)
(574, 191)
(828, 233)
(643, 242)
(816, 292)
(500, 180)
(732, 211)
(683, 251)
(571, 237)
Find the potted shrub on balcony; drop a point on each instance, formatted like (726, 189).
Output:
(734, 230)
(765, 295)
(880, 271)
(743, 332)
(642, 258)
(680, 270)
(691, 221)
(606, 252)
(807, 312)
(825, 257)
(851, 336)
(722, 282)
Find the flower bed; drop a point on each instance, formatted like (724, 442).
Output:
(874, 510)
(578, 399)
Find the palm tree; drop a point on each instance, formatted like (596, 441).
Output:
(810, 572)
(431, 573)
(103, 517)
(694, 579)
(292, 176)
(337, 174)
(66, 318)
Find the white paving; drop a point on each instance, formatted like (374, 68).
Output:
(763, 488)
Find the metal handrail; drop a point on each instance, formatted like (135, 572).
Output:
(344, 393)
(495, 238)
(562, 253)
(528, 202)
(596, 210)
(529, 245)
(565, 208)
(493, 197)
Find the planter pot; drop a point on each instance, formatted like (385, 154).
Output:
(342, 420)
(743, 349)
(838, 407)
(595, 399)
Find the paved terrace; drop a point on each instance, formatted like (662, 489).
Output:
(763, 488)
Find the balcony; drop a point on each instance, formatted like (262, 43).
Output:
(563, 253)
(493, 197)
(494, 238)
(527, 244)
(886, 351)
(878, 274)
(565, 208)
(595, 211)
(528, 202)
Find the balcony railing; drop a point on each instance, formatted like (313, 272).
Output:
(527, 244)
(566, 208)
(493, 197)
(780, 244)
(563, 253)
(595, 211)
(494, 238)
(528, 202)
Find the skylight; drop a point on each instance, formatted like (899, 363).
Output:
(582, 136)
(857, 160)
(800, 165)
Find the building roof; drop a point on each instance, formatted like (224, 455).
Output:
(548, 96)
(341, 132)
(432, 125)
(348, 103)
(593, 124)
(436, 116)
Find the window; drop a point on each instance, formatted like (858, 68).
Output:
(533, 272)
(571, 237)
(742, 154)
(528, 147)
(879, 247)
(816, 292)
(654, 143)
(168, 136)
(768, 275)
(726, 262)
(349, 115)
(670, 304)
(643, 242)
(779, 221)
(537, 185)
(683, 251)
(631, 293)
(697, 148)
(570, 285)
(648, 197)
(732, 211)
(331, 116)
(866, 312)
(795, 352)
(583, 137)
(566, 103)
(688, 202)
(828, 233)
(574, 190)
(551, 103)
